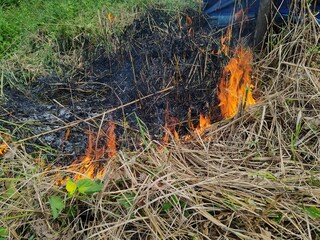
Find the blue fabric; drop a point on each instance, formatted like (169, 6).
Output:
(224, 12)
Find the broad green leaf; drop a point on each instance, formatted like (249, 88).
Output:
(71, 187)
(313, 212)
(89, 186)
(127, 200)
(57, 205)
(3, 232)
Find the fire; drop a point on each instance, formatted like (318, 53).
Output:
(111, 18)
(168, 131)
(89, 165)
(170, 126)
(3, 148)
(4, 144)
(111, 143)
(234, 91)
(204, 123)
(235, 84)
(171, 123)
(225, 43)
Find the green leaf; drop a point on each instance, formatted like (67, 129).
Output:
(313, 212)
(264, 174)
(127, 200)
(57, 205)
(3, 232)
(169, 204)
(278, 218)
(166, 206)
(71, 187)
(89, 186)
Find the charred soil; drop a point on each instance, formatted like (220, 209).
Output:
(172, 57)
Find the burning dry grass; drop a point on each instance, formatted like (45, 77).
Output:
(255, 176)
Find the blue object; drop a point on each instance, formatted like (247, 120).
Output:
(224, 12)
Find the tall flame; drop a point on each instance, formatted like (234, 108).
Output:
(235, 84)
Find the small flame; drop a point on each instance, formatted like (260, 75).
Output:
(111, 18)
(176, 135)
(88, 166)
(111, 142)
(204, 123)
(4, 144)
(3, 148)
(225, 43)
(168, 131)
(235, 84)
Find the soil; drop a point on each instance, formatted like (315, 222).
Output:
(158, 51)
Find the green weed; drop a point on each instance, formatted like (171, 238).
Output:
(85, 187)
(295, 135)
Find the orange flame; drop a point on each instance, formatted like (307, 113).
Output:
(88, 166)
(204, 123)
(111, 18)
(3, 148)
(111, 142)
(4, 143)
(224, 43)
(235, 84)
(171, 130)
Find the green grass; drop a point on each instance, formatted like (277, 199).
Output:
(51, 18)
(34, 33)
(59, 19)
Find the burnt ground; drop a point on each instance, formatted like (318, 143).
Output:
(158, 51)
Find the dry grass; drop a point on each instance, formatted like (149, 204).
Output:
(252, 177)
